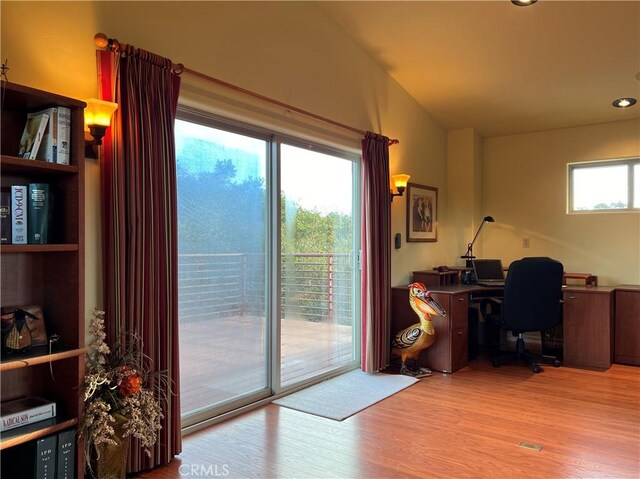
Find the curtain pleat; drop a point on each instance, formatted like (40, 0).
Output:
(376, 253)
(138, 173)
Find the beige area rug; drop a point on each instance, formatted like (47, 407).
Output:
(343, 396)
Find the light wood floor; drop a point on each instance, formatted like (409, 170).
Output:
(464, 425)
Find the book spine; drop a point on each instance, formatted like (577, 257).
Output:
(46, 452)
(38, 213)
(63, 141)
(18, 214)
(66, 454)
(47, 146)
(22, 418)
(5, 217)
(38, 136)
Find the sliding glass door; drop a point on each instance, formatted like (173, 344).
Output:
(222, 265)
(267, 263)
(317, 262)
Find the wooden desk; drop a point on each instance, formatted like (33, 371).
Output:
(587, 324)
(587, 327)
(450, 351)
(627, 324)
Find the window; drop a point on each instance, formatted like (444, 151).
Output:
(612, 185)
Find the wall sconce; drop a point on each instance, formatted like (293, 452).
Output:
(97, 117)
(399, 182)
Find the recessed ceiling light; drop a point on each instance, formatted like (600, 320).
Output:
(523, 3)
(624, 102)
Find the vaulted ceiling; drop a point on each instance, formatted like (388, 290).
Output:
(503, 69)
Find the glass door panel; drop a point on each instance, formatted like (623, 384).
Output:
(317, 263)
(222, 231)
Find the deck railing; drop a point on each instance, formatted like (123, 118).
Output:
(315, 286)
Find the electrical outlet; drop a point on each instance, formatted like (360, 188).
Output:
(526, 242)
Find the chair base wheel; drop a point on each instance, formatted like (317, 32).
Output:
(495, 362)
(535, 368)
(556, 363)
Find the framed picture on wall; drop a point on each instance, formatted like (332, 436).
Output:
(422, 213)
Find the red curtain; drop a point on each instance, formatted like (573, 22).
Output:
(139, 221)
(376, 253)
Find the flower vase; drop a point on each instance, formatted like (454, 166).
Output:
(111, 460)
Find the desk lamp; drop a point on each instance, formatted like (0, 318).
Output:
(469, 255)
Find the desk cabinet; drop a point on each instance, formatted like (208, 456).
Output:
(627, 325)
(588, 327)
(449, 352)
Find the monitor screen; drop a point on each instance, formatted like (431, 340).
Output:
(488, 269)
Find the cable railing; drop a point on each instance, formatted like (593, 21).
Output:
(315, 286)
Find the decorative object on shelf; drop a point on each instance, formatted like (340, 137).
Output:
(469, 254)
(117, 403)
(399, 182)
(422, 213)
(408, 343)
(97, 117)
(23, 328)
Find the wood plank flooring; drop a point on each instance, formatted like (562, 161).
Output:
(464, 425)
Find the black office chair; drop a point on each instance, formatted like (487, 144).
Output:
(532, 301)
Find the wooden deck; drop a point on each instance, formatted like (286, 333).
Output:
(223, 358)
(465, 425)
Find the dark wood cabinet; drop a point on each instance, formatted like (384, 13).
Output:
(449, 352)
(49, 275)
(588, 327)
(627, 325)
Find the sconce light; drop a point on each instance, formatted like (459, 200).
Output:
(97, 117)
(399, 182)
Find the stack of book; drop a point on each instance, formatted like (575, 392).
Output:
(26, 410)
(25, 214)
(47, 136)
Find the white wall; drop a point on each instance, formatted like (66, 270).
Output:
(525, 189)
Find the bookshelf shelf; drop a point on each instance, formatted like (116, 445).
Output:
(38, 248)
(13, 164)
(48, 275)
(27, 433)
(25, 361)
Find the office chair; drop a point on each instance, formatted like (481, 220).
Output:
(532, 301)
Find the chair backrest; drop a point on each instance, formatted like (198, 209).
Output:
(532, 295)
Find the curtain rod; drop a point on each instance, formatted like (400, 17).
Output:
(102, 41)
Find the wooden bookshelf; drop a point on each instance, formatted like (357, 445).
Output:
(49, 275)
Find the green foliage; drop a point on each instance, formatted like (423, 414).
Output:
(222, 211)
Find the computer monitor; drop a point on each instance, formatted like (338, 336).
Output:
(488, 270)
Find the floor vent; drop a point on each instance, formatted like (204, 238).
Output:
(528, 445)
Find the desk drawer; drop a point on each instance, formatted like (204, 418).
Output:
(459, 311)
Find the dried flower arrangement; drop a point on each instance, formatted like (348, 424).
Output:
(114, 386)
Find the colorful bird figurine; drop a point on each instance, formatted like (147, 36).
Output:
(410, 342)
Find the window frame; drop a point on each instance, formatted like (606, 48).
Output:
(630, 162)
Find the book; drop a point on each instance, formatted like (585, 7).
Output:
(32, 135)
(38, 206)
(56, 139)
(19, 214)
(63, 146)
(65, 463)
(26, 410)
(32, 460)
(5, 216)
